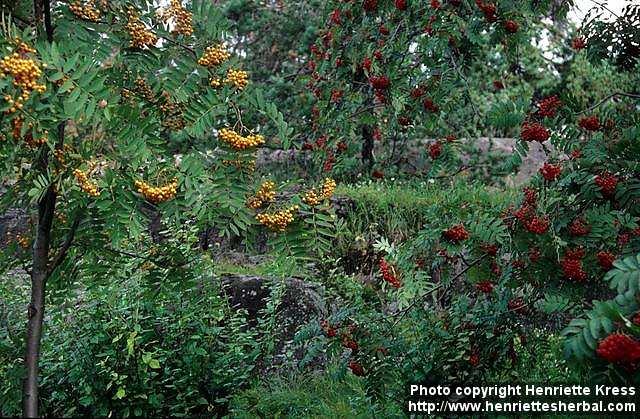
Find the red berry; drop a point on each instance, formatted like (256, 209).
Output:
(377, 174)
(579, 228)
(636, 319)
(435, 4)
(435, 150)
(380, 82)
(534, 131)
(388, 275)
(335, 17)
(511, 26)
(474, 359)
(366, 63)
(456, 234)
(349, 343)
(370, 5)
(607, 183)
(485, 286)
(417, 92)
(550, 172)
(548, 106)
(571, 265)
(498, 85)
(356, 368)
(401, 4)
(430, 106)
(490, 249)
(336, 95)
(488, 9)
(590, 123)
(537, 225)
(606, 259)
(578, 43)
(384, 30)
(618, 348)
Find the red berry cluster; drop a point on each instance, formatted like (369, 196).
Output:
(618, 348)
(417, 92)
(578, 43)
(435, 150)
(526, 214)
(607, 183)
(401, 4)
(579, 227)
(380, 82)
(430, 106)
(488, 10)
(548, 106)
(498, 84)
(511, 26)
(328, 330)
(490, 249)
(590, 123)
(335, 17)
(349, 343)
(388, 275)
(485, 286)
(370, 5)
(550, 172)
(356, 368)
(456, 234)
(606, 259)
(571, 265)
(534, 131)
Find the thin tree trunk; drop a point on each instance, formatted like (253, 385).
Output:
(35, 312)
(367, 147)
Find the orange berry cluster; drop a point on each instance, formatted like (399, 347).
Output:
(141, 37)
(238, 78)
(172, 113)
(144, 90)
(215, 82)
(266, 193)
(213, 56)
(89, 187)
(279, 220)
(157, 194)
(239, 142)
(25, 73)
(85, 11)
(22, 240)
(248, 164)
(181, 17)
(28, 137)
(59, 154)
(313, 198)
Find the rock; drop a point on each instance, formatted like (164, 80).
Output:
(300, 303)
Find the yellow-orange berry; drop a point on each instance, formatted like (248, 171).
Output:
(239, 142)
(266, 193)
(141, 37)
(238, 78)
(157, 194)
(279, 220)
(214, 56)
(89, 187)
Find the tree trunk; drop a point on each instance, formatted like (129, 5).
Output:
(35, 312)
(367, 147)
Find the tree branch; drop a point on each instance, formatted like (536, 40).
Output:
(64, 249)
